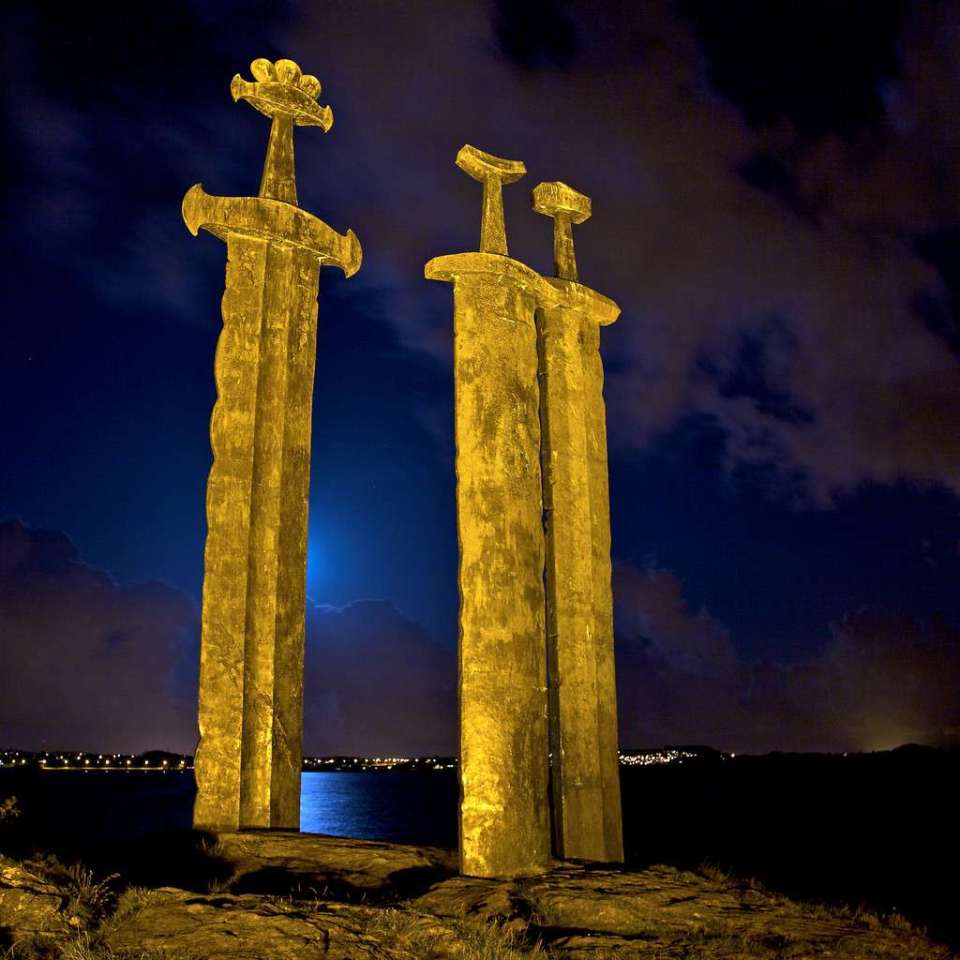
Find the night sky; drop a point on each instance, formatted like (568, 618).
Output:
(776, 208)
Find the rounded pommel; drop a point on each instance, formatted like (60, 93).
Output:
(281, 89)
(484, 166)
(556, 198)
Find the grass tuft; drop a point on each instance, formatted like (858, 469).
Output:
(427, 937)
(9, 809)
(88, 900)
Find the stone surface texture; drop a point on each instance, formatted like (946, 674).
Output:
(583, 695)
(493, 172)
(249, 757)
(579, 912)
(30, 907)
(249, 927)
(537, 686)
(356, 868)
(576, 911)
(504, 810)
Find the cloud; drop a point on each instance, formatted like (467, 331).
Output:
(700, 246)
(881, 680)
(86, 663)
(376, 684)
(723, 207)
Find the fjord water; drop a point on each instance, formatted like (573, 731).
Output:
(76, 811)
(404, 807)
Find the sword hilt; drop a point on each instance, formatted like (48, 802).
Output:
(288, 96)
(566, 206)
(493, 172)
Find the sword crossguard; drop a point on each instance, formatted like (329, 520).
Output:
(271, 220)
(567, 207)
(288, 96)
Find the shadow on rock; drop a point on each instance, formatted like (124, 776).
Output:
(188, 859)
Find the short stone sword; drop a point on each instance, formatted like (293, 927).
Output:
(251, 653)
(579, 621)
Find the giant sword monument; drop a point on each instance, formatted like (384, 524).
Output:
(250, 753)
(538, 721)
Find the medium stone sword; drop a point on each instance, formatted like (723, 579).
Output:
(504, 805)
(583, 696)
(254, 590)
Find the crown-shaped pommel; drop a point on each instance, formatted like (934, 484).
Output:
(288, 96)
(282, 89)
(493, 172)
(566, 206)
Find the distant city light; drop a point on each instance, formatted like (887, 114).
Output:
(183, 763)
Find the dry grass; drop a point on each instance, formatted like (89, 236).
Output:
(97, 913)
(92, 944)
(9, 810)
(430, 938)
(88, 900)
(87, 947)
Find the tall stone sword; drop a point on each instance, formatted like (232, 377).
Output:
(583, 696)
(504, 802)
(251, 650)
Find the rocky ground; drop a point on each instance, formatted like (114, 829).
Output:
(276, 895)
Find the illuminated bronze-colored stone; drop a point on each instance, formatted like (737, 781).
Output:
(504, 808)
(583, 701)
(493, 172)
(251, 652)
(537, 684)
(567, 207)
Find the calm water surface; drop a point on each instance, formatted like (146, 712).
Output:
(105, 808)
(385, 805)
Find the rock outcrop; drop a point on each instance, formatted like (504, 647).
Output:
(304, 897)
(31, 908)
(330, 867)
(248, 927)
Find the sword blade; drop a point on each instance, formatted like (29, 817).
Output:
(251, 684)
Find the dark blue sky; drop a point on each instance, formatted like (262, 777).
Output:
(776, 209)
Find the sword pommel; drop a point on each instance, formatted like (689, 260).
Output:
(493, 172)
(281, 89)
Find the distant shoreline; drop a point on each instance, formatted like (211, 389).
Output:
(161, 761)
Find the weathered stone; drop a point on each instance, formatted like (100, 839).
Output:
(583, 702)
(30, 907)
(493, 172)
(229, 927)
(586, 781)
(566, 206)
(587, 914)
(250, 716)
(274, 861)
(575, 911)
(504, 810)
(514, 639)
